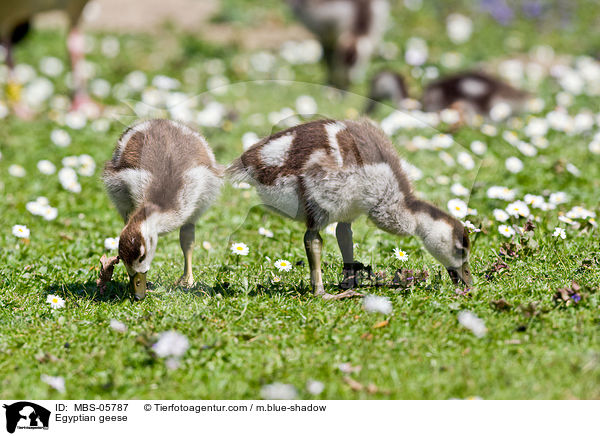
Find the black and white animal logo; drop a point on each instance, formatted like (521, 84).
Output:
(26, 415)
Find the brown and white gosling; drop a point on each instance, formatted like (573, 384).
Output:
(349, 31)
(163, 176)
(335, 171)
(469, 92)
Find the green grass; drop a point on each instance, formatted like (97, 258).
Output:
(244, 329)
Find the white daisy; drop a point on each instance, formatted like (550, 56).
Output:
(207, 245)
(517, 209)
(118, 326)
(501, 192)
(111, 243)
(55, 301)
(472, 322)
(514, 165)
(265, 232)
(557, 198)
(377, 304)
(20, 231)
(240, 249)
(536, 201)
(315, 387)
(471, 227)
(460, 190)
(458, 208)
(16, 170)
(60, 137)
(459, 28)
(478, 147)
(306, 105)
(506, 230)
(49, 213)
(57, 383)
(87, 165)
(401, 255)
(559, 232)
(278, 391)
(283, 265)
(171, 343)
(46, 167)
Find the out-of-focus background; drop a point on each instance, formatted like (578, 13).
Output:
(239, 70)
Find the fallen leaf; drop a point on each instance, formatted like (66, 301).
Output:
(381, 324)
(106, 271)
(354, 385)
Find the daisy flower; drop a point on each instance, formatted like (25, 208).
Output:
(265, 232)
(535, 201)
(500, 215)
(478, 147)
(559, 232)
(471, 227)
(60, 137)
(283, 265)
(518, 209)
(557, 198)
(330, 229)
(501, 193)
(506, 230)
(20, 231)
(276, 279)
(111, 243)
(460, 190)
(46, 167)
(472, 322)
(118, 326)
(314, 387)
(207, 245)
(514, 164)
(171, 343)
(55, 301)
(57, 383)
(278, 391)
(240, 249)
(49, 213)
(458, 208)
(16, 170)
(401, 255)
(377, 304)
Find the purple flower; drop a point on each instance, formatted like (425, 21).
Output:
(533, 9)
(499, 10)
(576, 298)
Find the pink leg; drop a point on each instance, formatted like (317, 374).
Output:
(81, 99)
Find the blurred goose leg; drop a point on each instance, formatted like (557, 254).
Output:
(313, 243)
(186, 240)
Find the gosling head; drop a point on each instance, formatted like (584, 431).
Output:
(448, 241)
(136, 250)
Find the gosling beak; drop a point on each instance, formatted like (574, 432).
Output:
(461, 275)
(137, 284)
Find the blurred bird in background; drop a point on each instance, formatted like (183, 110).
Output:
(349, 31)
(15, 19)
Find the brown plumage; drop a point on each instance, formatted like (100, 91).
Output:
(162, 177)
(335, 171)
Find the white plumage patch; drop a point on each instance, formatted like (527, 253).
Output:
(473, 87)
(332, 130)
(274, 152)
(126, 188)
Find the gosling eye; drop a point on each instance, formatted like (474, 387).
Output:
(142, 257)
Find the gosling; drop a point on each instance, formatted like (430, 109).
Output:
(163, 176)
(335, 171)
